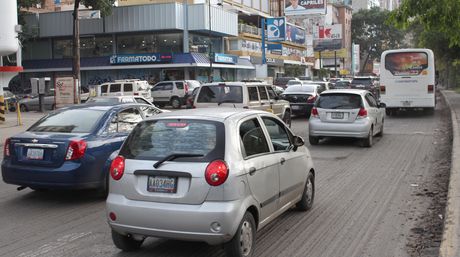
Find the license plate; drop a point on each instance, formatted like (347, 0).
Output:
(162, 184)
(35, 154)
(406, 103)
(295, 107)
(337, 115)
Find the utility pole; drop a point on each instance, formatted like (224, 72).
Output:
(211, 55)
(76, 52)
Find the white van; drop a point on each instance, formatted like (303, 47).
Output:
(134, 87)
(407, 80)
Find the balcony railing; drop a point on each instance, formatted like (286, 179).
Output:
(243, 28)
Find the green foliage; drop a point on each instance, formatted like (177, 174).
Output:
(27, 3)
(370, 30)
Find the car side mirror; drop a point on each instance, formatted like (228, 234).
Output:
(276, 98)
(298, 141)
(382, 105)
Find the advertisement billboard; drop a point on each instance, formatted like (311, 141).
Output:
(64, 91)
(329, 32)
(301, 7)
(295, 34)
(276, 29)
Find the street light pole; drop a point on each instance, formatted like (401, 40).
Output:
(76, 52)
(210, 77)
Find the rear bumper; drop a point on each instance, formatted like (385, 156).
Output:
(301, 108)
(70, 175)
(357, 129)
(408, 102)
(175, 221)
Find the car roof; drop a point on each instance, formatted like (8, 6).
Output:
(102, 106)
(217, 114)
(345, 91)
(238, 83)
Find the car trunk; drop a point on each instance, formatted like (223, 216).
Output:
(296, 98)
(171, 182)
(338, 115)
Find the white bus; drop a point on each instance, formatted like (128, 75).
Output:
(407, 80)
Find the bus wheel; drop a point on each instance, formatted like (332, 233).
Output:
(389, 111)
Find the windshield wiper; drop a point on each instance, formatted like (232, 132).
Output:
(225, 101)
(174, 156)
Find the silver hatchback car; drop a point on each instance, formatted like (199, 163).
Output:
(214, 175)
(346, 113)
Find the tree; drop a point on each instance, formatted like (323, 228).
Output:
(370, 30)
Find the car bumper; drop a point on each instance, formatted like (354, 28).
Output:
(301, 108)
(70, 175)
(357, 129)
(175, 221)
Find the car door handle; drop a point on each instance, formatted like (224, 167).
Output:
(282, 161)
(252, 170)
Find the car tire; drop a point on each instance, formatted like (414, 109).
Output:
(175, 103)
(125, 242)
(368, 141)
(23, 108)
(308, 195)
(313, 140)
(287, 118)
(244, 240)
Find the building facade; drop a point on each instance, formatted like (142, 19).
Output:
(364, 4)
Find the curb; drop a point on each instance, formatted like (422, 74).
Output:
(450, 238)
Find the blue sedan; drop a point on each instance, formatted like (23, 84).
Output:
(70, 148)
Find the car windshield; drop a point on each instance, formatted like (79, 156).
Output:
(363, 81)
(69, 121)
(294, 82)
(157, 139)
(339, 101)
(221, 94)
(302, 88)
(342, 84)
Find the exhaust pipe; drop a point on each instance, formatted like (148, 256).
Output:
(21, 188)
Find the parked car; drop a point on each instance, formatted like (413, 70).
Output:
(134, 87)
(249, 95)
(341, 84)
(283, 81)
(174, 93)
(367, 83)
(346, 113)
(111, 100)
(212, 175)
(302, 97)
(33, 103)
(69, 148)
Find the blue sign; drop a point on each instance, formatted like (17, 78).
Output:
(276, 29)
(225, 58)
(57, 2)
(140, 58)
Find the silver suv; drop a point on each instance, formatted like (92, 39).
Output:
(174, 93)
(213, 175)
(249, 95)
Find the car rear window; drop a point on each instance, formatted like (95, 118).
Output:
(361, 81)
(339, 101)
(304, 88)
(156, 139)
(294, 82)
(69, 121)
(221, 94)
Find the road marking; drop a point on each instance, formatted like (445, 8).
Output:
(60, 242)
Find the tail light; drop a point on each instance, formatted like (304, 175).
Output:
(6, 148)
(430, 89)
(216, 173)
(382, 89)
(136, 93)
(186, 87)
(117, 167)
(314, 113)
(311, 99)
(362, 113)
(76, 150)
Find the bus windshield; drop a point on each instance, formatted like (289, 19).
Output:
(406, 63)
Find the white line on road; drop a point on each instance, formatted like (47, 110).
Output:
(60, 242)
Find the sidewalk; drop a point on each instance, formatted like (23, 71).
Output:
(10, 128)
(451, 237)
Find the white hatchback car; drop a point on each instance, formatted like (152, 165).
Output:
(214, 175)
(346, 113)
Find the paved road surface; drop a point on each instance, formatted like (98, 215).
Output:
(365, 205)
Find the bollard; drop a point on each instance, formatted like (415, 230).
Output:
(7, 108)
(2, 109)
(18, 111)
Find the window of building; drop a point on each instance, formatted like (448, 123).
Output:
(62, 48)
(95, 46)
(149, 43)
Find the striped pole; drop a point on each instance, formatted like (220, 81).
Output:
(2, 109)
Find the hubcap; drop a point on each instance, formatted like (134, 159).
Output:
(246, 238)
(309, 191)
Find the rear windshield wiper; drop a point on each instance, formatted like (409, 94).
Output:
(174, 156)
(226, 101)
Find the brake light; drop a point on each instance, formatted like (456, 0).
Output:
(430, 89)
(117, 167)
(6, 148)
(382, 89)
(314, 113)
(186, 87)
(76, 150)
(216, 173)
(311, 99)
(362, 113)
(136, 93)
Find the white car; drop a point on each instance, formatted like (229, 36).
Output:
(346, 113)
(174, 93)
(130, 87)
(212, 175)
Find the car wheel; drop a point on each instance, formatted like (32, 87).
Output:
(175, 103)
(23, 108)
(287, 118)
(244, 241)
(313, 140)
(308, 195)
(126, 243)
(368, 141)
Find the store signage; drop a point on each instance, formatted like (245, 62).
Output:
(276, 29)
(301, 7)
(225, 58)
(140, 58)
(341, 53)
(64, 91)
(329, 32)
(89, 14)
(269, 61)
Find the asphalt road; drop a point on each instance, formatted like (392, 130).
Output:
(365, 205)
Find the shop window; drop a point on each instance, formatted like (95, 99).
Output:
(62, 48)
(96, 46)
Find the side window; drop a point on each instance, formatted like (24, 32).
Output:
(253, 138)
(278, 134)
(371, 101)
(271, 92)
(253, 94)
(158, 87)
(104, 88)
(263, 93)
(321, 88)
(141, 101)
(128, 88)
(180, 85)
(128, 119)
(168, 86)
(115, 88)
(149, 111)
